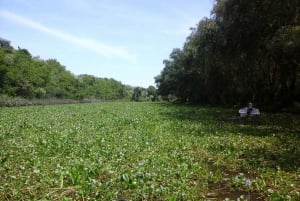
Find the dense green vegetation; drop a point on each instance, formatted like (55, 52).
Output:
(246, 51)
(146, 151)
(30, 77)
(27, 77)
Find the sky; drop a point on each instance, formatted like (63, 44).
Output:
(126, 40)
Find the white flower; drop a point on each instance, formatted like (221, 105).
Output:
(36, 171)
(248, 182)
(141, 163)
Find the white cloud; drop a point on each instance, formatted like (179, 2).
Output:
(102, 49)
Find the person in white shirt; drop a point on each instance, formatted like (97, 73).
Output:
(248, 111)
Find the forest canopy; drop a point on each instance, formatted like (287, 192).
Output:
(25, 76)
(245, 51)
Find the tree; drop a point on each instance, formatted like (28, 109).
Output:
(136, 96)
(152, 94)
(31, 77)
(246, 51)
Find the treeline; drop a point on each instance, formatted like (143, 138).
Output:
(27, 77)
(246, 51)
(141, 94)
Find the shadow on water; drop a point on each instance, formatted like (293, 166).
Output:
(282, 128)
(284, 132)
(191, 113)
(227, 120)
(265, 124)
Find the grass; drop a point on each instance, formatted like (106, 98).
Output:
(6, 101)
(146, 151)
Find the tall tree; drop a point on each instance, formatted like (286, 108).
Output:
(31, 77)
(246, 51)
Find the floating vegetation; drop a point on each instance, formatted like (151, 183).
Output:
(146, 151)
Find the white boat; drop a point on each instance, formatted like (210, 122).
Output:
(252, 111)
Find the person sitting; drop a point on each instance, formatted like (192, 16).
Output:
(248, 111)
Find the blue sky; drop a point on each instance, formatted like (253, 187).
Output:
(122, 39)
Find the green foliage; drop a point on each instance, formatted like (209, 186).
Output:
(246, 51)
(146, 151)
(141, 94)
(152, 93)
(137, 93)
(100, 88)
(22, 75)
(13, 102)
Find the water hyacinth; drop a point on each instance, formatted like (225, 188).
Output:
(143, 151)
